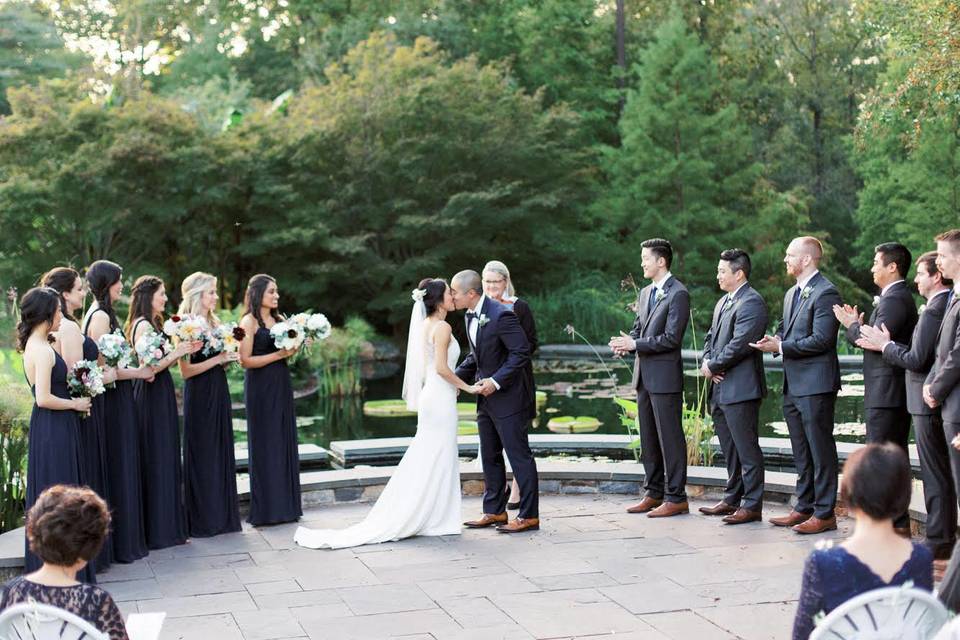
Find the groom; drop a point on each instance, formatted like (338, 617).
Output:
(499, 350)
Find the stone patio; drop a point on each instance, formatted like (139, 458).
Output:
(593, 571)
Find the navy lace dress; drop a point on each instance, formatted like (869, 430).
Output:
(87, 601)
(272, 439)
(53, 454)
(93, 453)
(209, 465)
(833, 576)
(165, 520)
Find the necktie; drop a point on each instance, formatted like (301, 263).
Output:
(652, 300)
(796, 300)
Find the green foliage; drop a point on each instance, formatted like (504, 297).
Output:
(589, 302)
(16, 403)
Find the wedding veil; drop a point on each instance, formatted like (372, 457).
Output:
(415, 372)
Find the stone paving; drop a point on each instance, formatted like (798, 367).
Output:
(592, 571)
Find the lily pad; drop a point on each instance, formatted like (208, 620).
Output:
(467, 428)
(851, 391)
(387, 409)
(306, 421)
(467, 410)
(570, 424)
(852, 377)
(541, 398)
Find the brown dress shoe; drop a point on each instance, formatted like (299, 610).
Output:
(668, 509)
(743, 516)
(520, 524)
(647, 504)
(816, 525)
(794, 518)
(719, 509)
(487, 521)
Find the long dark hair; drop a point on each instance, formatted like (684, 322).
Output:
(141, 304)
(38, 305)
(101, 275)
(253, 298)
(61, 280)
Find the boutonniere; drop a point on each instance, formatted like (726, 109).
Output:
(660, 295)
(922, 308)
(876, 300)
(806, 293)
(482, 320)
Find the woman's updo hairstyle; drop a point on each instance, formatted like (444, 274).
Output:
(62, 280)
(435, 289)
(67, 524)
(38, 305)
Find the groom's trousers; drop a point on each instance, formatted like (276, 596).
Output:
(507, 434)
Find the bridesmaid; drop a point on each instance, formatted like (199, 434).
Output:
(209, 464)
(73, 347)
(271, 422)
(165, 520)
(53, 455)
(123, 431)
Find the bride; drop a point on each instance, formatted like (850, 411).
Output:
(423, 495)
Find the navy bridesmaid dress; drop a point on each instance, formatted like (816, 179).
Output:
(123, 473)
(164, 518)
(93, 454)
(53, 455)
(272, 439)
(209, 464)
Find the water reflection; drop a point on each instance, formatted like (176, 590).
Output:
(574, 388)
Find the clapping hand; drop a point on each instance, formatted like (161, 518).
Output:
(767, 344)
(847, 315)
(622, 344)
(872, 338)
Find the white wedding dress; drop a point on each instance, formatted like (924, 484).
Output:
(423, 495)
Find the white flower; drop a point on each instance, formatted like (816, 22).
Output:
(922, 308)
(483, 319)
(417, 294)
(151, 348)
(660, 295)
(806, 293)
(318, 327)
(876, 300)
(287, 335)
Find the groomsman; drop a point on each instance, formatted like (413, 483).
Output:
(885, 390)
(942, 386)
(939, 491)
(738, 386)
(807, 339)
(663, 310)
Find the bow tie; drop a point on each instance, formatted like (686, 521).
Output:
(471, 314)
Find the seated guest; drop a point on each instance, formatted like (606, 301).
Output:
(876, 489)
(66, 527)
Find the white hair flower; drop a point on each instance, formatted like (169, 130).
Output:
(417, 294)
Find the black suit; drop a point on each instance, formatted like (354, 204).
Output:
(885, 390)
(502, 352)
(944, 379)
(811, 379)
(735, 401)
(939, 490)
(658, 378)
(525, 317)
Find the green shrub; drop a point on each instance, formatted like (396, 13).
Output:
(592, 303)
(16, 403)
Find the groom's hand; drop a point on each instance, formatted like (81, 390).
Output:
(486, 387)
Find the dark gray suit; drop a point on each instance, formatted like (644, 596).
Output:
(885, 389)
(658, 377)
(735, 401)
(811, 379)
(939, 490)
(944, 377)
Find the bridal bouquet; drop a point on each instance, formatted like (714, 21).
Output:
(85, 380)
(115, 349)
(287, 335)
(152, 347)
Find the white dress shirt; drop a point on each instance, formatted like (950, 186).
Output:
(473, 326)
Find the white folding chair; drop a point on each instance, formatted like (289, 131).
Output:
(889, 613)
(35, 621)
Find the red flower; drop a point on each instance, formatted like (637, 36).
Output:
(239, 334)
(175, 318)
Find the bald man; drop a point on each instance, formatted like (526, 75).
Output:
(806, 338)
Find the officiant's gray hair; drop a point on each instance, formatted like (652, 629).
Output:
(495, 266)
(469, 279)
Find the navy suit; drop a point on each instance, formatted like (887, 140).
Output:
(735, 400)
(811, 380)
(502, 352)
